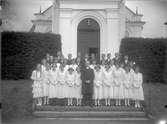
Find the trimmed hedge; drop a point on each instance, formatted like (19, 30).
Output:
(149, 54)
(21, 51)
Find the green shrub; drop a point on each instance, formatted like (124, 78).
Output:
(21, 51)
(149, 54)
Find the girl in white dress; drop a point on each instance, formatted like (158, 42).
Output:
(107, 82)
(112, 66)
(73, 65)
(66, 66)
(37, 85)
(45, 82)
(61, 82)
(78, 86)
(127, 86)
(43, 65)
(118, 84)
(122, 79)
(56, 62)
(132, 78)
(137, 87)
(98, 82)
(102, 66)
(53, 82)
(112, 70)
(92, 66)
(70, 80)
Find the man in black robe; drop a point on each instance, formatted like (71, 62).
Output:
(87, 77)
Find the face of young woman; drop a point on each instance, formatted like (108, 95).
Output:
(78, 70)
(51, 59)
(117, 66)
(70, 71)
(107, 67)
(112, 63)
(44, 62)
(38, 67)
(94, 63)
(103, 56)
(137, 69)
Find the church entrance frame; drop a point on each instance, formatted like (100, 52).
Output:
(95, 16)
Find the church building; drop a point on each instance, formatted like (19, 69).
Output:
(89, 26)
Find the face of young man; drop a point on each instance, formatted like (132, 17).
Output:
(87, 63)
(108, 55)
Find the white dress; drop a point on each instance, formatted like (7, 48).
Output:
(98, 85)
(132, 72)
(108, 84)
(70, 79)
(61, 84)
(102, 68)
(127, 85)
(66, 68)
(122, 78)
(118, 83)
(92, 67)
(53, 84)
(45, 83)
(78, 86)
(112, 70)
(37, 84)
(138, 89)
(73, 66)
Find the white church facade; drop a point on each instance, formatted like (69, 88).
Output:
(89, 26)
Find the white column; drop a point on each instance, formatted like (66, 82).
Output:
(55, 16)
(122, 20)
(113, 44)
(68, 45)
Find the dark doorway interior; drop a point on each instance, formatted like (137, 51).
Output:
(88, 37)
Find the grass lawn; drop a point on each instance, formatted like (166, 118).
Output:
(155, 98)
(17, 99)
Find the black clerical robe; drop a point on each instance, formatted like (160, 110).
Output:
(69, 61)
(87, 77)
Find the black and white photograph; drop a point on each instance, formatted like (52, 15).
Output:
(83, 62)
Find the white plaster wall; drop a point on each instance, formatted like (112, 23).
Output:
(113, 32)
(135, 31)
(65, 30)
(113, 37)
(122, 19)
(43, 28)
(88, 5)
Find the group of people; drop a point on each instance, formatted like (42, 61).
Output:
(88, 80)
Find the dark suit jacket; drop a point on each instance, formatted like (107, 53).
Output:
(87, 74)
(117, 61)
(69, 61)
(108, 61)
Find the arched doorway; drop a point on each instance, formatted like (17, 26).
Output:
(88, 37)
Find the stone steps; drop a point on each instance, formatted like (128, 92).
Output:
(117, 113)
(87, 108)
(79, 114)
